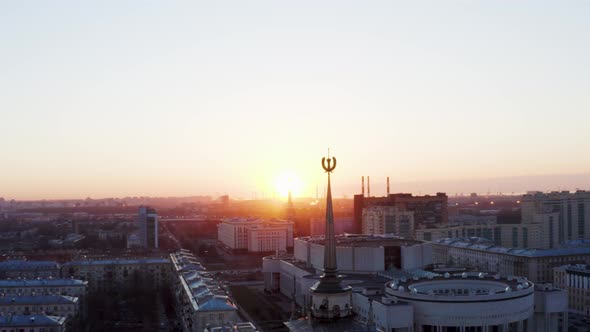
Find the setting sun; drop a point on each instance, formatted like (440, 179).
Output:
(286, 182)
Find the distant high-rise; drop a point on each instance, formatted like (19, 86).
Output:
(572, 212)
(75, 227)
(428, 210)
(148, 227)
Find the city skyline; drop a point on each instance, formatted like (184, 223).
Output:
(176, 99)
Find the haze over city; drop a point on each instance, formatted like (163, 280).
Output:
(295, 166)
(112, 98)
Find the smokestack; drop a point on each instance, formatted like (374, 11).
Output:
(388, 186)
(368, 186)
(363, 185)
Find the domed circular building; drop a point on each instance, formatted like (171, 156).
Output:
(467, 302)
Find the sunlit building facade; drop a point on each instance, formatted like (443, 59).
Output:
(256, 235)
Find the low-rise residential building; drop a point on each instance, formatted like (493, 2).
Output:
(200, 302)
(69, 287)
(575, 279)
(28, 269)
(540, 234)
(109, 275)
(256, 235)
(484, 255)
(54, 305)
(32, 323)
(36, 287)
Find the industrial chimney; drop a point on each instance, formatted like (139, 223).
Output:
(368, 186)
(388, 186)
(363, 185)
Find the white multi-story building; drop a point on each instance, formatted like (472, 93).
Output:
(572, 212)
(575, 279)
(365, 253)
(463, 302)
(200, 302)
(265, 239)
(358, 254)
(481, 254)
(417, 300)
(256, 235)
(388, 220)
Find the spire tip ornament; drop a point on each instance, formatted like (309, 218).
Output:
(327, 164)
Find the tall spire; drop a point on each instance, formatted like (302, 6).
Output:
(290, 208)
(330, 299)
(330, 268)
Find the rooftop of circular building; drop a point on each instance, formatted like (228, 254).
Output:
(460, 287)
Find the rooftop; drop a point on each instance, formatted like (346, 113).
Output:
(204, 293)
(41, 282)
(578, 268)
(358, 282)
(24, 264)
(37, 299)
(347, 324)
(363, 240)
(460, 286)
(571, 248)
(30, 320)
(256, 221)
(556, 194)
(120, 261)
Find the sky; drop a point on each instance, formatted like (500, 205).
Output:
(174, 98)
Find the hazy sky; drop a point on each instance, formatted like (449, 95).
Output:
(116, 98)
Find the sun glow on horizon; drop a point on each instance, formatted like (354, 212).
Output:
(288, 181)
